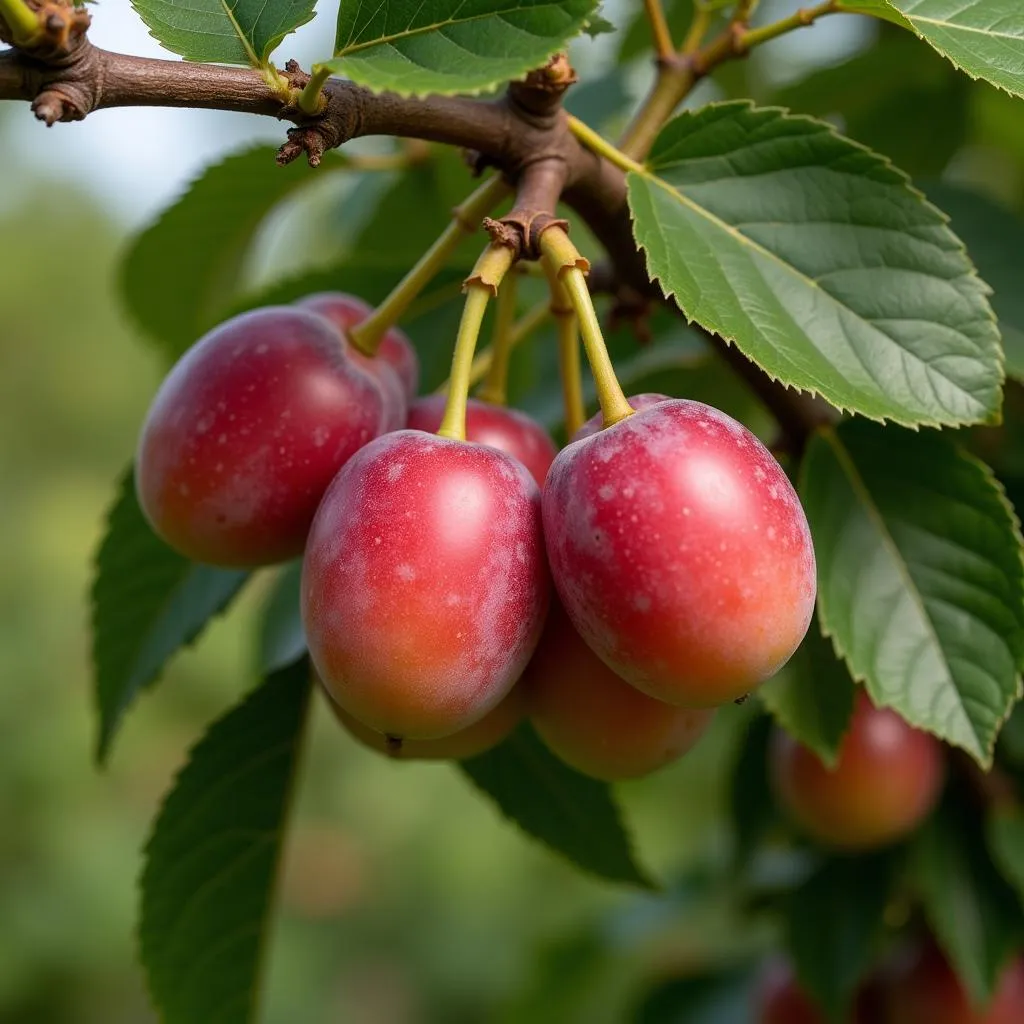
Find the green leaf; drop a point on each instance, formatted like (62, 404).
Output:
(994, 236)
(178, 275)
(415, 47)
(147, 602)
(920, 580)
(832, 922)
(750, 796)
(282, 635)
(817, 258)
(812, 697)
(224, 31)
(882, 94)
(873, 8)
(574, 815)
(1005, 834)
(985, 38)
(973, 911)
(212, 860)
(721, 998)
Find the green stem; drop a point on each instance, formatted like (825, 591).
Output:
(660, 33)
(466, 219)
(674, 81)
(310, 100)
(570, 368)
(602, 147)
(480, 288)
(568, 263)
(495, 387)
(806, 16)
(22, 21)
(530, 322)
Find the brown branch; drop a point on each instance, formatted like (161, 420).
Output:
(524, 134)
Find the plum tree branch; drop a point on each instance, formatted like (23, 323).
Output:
(525, 134)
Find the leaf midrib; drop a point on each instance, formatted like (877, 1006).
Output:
(389, 40)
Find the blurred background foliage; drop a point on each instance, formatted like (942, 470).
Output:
(404, 897)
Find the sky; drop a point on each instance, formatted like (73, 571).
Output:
(138, 160)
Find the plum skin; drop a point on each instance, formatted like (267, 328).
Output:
(395, 367)
(472, 741)
(508, 430)
(637, 402)
(680, 552)
(887, 778)
(246, 433)
(595, 721)
(424, 586)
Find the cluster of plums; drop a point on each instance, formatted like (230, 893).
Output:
(681, 559)
(915, 986)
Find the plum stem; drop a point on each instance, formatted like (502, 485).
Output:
(570, 268)
(495, 387)
(481, 286)
(569, 368)
(466, 218)
(525, 326)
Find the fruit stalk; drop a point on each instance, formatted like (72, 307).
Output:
(466, 219)
(568, 353)
(570, 267)
(481, 287)
(495, 387)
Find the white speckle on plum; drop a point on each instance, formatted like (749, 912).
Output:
(395, 471)
(606, 492)
(320, 436)
(405, 572)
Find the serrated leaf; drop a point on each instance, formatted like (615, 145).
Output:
(812, 697)
(282, 635)
(971, 908)
(1005, 834)
(572, 814)
(985, 38)
(994, 236)
(832, 922)
(212, 860)
(415, 47)
(820, 262)
(178, 275)
(147, 603)
(874, 9)
(920, 580)
(882, 94)
(224, 31)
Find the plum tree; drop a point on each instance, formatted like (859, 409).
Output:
(475, 739)
(681, 553)
(395, 366)
(509, 430)
(756, 256)
(245, 434)
(885, 781)
(424, 587)
(595, 721)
